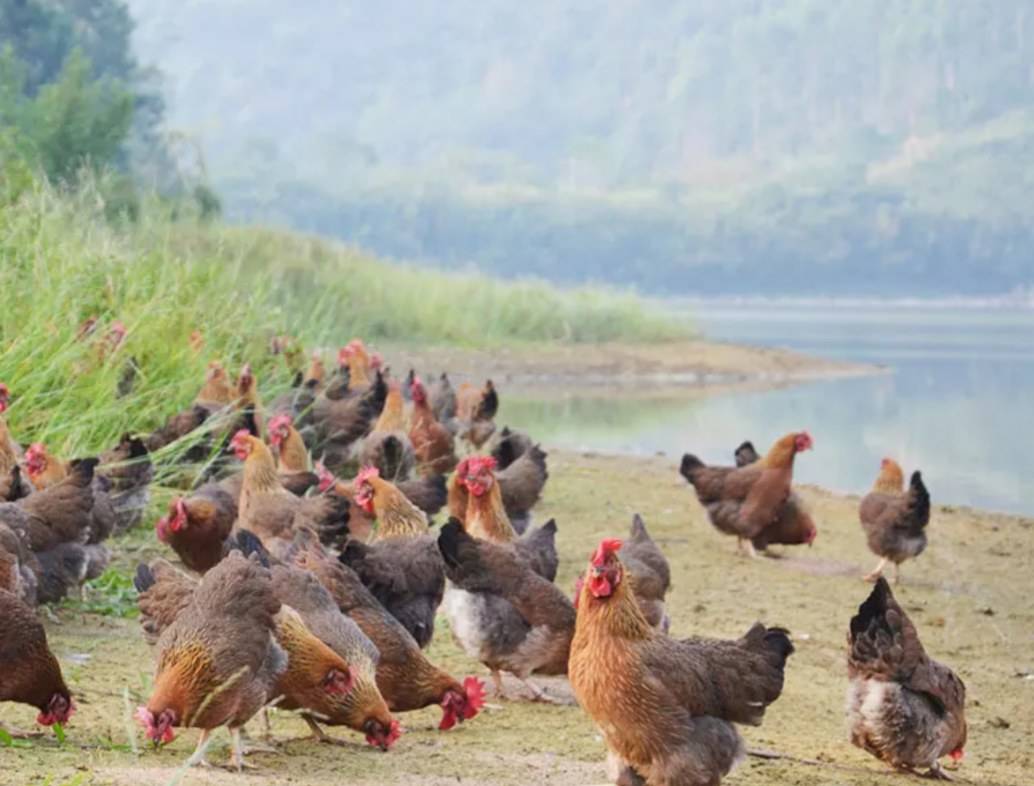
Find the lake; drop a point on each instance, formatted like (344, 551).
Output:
(956, 403)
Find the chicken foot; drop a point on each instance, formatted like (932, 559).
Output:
(318, 735)
(877, 571)
(936, 772)
(197, 758)
(237, 756)
(537, 694)
(18, 734)
(746, 548)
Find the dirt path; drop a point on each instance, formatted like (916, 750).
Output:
(968, 595)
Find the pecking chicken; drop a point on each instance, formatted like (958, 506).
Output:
(433, 443)
(793, 524)
(745, 501)
(273, 513)
(502, 612)
(197, 526)
(903, 707)
(666, 708)
(406, 678)
(520, 486)
(401, 567)
(29, 672)
(218, 661)
(894, 519)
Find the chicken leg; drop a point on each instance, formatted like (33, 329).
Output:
(746, 548)
(877, 572)
(321, 736)
(197, 758)
(237, 756)
(937, 773)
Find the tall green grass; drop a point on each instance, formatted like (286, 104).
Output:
(61, 261)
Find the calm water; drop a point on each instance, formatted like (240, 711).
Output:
(957, 403)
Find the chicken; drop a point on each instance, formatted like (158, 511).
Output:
(340, 422)
(29, 672)
(502, 612)
(12, 485)
(509, 445)
(894, 519)
(744, 501)
(666, 708)
(216, 395)
(442, 399)
(486, 517)
(406, 678)
(218, 662)
(401, 567)
(520, 485)
(248, 404)
(20, 569)
(217, 392)
(903, 707)
(648, 571)
(298, 402)
(196, 526)
(433, 444)
(292, 456)
(120, 491)
(361, 707)
(388, 446)
(793, 524)
(273, 513)
(475, 410)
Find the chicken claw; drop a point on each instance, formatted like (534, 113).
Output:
(237, 757)
(746, 548)
(877, 572)
(539, 695)
(318, 735)
(937, 773)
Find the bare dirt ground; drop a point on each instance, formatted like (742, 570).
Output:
(969, 595)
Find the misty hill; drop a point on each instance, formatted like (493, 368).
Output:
(818, 146)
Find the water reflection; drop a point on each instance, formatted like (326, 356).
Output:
(958, 404)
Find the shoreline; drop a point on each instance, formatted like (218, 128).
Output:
(693, 367)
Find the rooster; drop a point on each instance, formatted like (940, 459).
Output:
(793, 524)
(29, 672)
(273, 513)
(401, 567)
(502, 612)
(744, 501)
(666, 708)
(218, 660)
(903, 707)
(433, 444)
(895, 519)
(406, 678)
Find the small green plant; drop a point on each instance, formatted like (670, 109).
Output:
(111, 594)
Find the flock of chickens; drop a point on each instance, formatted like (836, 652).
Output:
(303, 590)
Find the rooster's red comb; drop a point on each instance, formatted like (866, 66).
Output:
(607, 548)
(476, 464)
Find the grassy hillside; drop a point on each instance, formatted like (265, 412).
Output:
(63, 263)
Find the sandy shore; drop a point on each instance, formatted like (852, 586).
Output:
(966, 594)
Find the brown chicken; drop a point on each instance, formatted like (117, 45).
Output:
(649, 572)
(273, 513)
(793, 523)
(744, 501)
(20, 569)
(218, 661)
(502, 612)
(666, 708)
(486, 518)
(433, 443)
(442, 399)
(475, 412)
(401, 567)
(248, 404)
(216, 394)
(520, 485)
(340, 421)
(903, 707)
(197, 526)
(293, 462)
(406, 678)
(895, 518)
(298, 402)
(388, 446)
(29, 672)
(12, 485)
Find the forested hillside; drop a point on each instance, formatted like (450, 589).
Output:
(750, 146)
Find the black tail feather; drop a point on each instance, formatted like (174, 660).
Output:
(144, 578)
(247, 543)
(689, 463)
(450, 538)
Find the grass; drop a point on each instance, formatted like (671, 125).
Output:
(63, 262)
